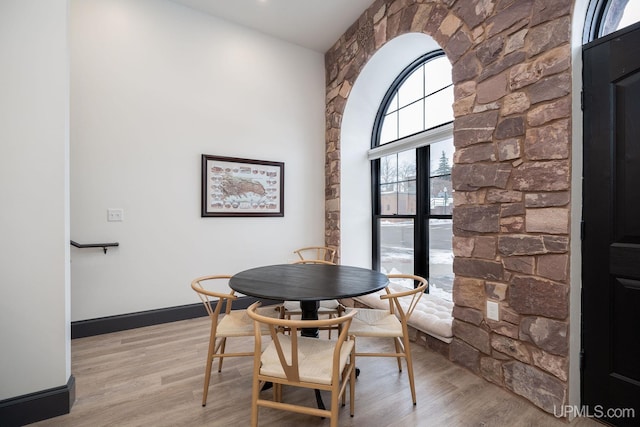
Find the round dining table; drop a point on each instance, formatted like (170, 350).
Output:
(309, 284)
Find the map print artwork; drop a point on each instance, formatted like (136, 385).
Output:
(242, 187)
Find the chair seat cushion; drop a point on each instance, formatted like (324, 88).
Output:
(239, 324)
(325, 306)
(315, 358)
(375, 323)
(433, 315)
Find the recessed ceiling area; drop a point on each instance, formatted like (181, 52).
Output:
(314, 24)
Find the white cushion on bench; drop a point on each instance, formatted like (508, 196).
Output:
(433, 315)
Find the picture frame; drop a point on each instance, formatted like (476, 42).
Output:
(235, 187)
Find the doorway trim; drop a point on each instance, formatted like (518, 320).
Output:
(579, 17)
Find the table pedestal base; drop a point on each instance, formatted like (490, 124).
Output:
(309, 312)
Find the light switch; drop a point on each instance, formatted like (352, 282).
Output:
(114, 215)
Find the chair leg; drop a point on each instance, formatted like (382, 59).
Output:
(277, 392)
(344, 378)
(396, 342)
(207, 370)
(407, 352)
(254, 401)
(222, 346)
(207, 375)
(352, 386)
(335, 391)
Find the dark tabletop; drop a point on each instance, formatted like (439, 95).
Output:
(307, 282)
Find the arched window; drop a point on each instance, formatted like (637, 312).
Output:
(412, 154)
(608, 16)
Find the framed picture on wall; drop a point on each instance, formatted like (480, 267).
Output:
(241, 187)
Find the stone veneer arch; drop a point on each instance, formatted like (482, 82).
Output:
(512, 74)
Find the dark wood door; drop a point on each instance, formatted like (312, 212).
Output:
(611, 238)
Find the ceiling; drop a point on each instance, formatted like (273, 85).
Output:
(314, 24)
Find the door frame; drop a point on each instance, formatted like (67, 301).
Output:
(579, 20)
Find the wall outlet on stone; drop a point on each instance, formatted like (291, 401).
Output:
(493, 310)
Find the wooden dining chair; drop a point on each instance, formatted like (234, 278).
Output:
(225, 322)
(391, 323)
(304, 362)
(331, 308)
(324, 253)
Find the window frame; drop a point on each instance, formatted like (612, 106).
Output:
(422, 142)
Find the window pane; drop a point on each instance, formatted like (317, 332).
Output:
(407, 197)
(440, 190)
(441, 155)
(393, 105)
(388, 199)
(441, 197)
(438, 108)
(412, 88)
(407, 182)
(437, 74)
(388, 185)
(389, 131)
(441, 258)
(410, 119)
(396, 245)
(389, 169)
(620, 14)
(407, 164)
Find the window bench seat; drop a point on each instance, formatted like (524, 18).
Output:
(432, 318)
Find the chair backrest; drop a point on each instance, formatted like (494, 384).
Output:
(415, 293)
(316, 252)
(208, 297)
(312, 261)
(288, 355)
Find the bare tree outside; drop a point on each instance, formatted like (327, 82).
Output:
(388, 172)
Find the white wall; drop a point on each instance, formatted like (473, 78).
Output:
(153, 86)
(34, 254)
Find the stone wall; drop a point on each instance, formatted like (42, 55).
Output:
(511, 218)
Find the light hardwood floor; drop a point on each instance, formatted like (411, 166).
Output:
(153, 376)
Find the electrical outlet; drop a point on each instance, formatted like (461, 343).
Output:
(115, 215)
(493, 310)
